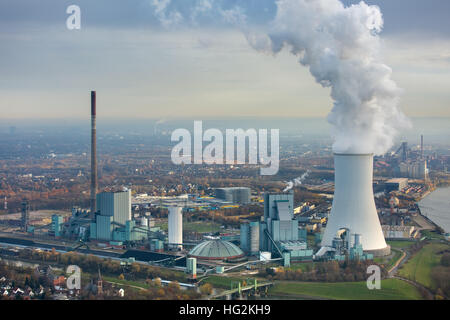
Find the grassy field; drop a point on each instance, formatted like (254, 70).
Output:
(140, 284)
(390, 260)
(305, 266)
(391, 289)
(418, 268)
(398, 244)
(433, 235)
(221, 282)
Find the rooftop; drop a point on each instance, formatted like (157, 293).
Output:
(216, 250)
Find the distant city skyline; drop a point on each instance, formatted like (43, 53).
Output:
(204, 70)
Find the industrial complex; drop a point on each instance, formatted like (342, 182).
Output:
(352, 231)
(345, 225)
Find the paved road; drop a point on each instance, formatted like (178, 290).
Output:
(416, 284)
(393, 271)
(398, 264)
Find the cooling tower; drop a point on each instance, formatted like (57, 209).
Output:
(175, 227)
(354, 204)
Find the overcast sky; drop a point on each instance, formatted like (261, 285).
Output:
(157, 65)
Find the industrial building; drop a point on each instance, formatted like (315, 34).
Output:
(56, 226)
(113, 219)
(279, 223)
(344, 246)
(414, 169)
(278, 232)
(353, 205)
(250, 240)
(396, 184)
(238, 195)
(399, 232)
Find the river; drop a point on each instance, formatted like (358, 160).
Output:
(436, 207)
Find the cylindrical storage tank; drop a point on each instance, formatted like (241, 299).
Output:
(144, 222)
(254, 238)
(175, 227)
(353, 203)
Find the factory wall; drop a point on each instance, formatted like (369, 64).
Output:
(93, 230)
(284, 230)
(57, 221)
(104, 227)
(115, 204)
(245, 230)
(240, 195)
(250, 237)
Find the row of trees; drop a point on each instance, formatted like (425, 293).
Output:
(91, 264)
(329, 271)
(441, 276)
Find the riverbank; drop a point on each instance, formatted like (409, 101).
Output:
(435, 208)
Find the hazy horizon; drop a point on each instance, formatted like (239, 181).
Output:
(205, 69)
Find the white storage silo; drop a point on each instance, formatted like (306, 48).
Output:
(144, 222)
(354, 204)
(175, 226)
(265, 256)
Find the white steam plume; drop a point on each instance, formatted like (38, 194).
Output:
(297, 181)
(340, 45)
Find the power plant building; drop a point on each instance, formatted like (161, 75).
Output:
(250, 237)
(278, 230)
(56, 226)
(279, 223)
(239, 195)
(113, 221)
(116, 205)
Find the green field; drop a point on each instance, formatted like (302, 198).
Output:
(305, 266)
(418, 268)
(140, 284)
(398, 244)
(390, 260)
(433, 235)
(222, 282)
(391, 289)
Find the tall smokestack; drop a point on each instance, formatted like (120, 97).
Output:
(354, 204)
(94, 183)
(421, 146)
